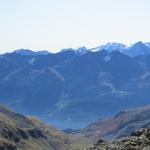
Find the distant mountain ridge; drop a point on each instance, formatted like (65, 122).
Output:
(75, 87)
(136, 49)
(30, 52)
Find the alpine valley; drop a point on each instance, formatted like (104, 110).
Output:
(75, 87)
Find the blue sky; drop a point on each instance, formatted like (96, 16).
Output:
(57, 24)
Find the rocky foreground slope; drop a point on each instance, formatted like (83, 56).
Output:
(139, 140)
(18, 132)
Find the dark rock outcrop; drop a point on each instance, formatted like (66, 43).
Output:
(139, 140)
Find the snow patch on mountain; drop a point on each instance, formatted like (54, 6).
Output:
(110, 47)
(107, 58)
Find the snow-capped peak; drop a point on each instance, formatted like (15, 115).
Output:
(110, 47)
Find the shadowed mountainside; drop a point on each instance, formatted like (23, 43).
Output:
(72, 88)
(121, 125)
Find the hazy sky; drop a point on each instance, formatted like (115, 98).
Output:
(57, 24)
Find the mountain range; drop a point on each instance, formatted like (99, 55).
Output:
(136, 49)
(73, 88)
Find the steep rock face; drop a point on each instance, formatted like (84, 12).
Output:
(139, 140)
